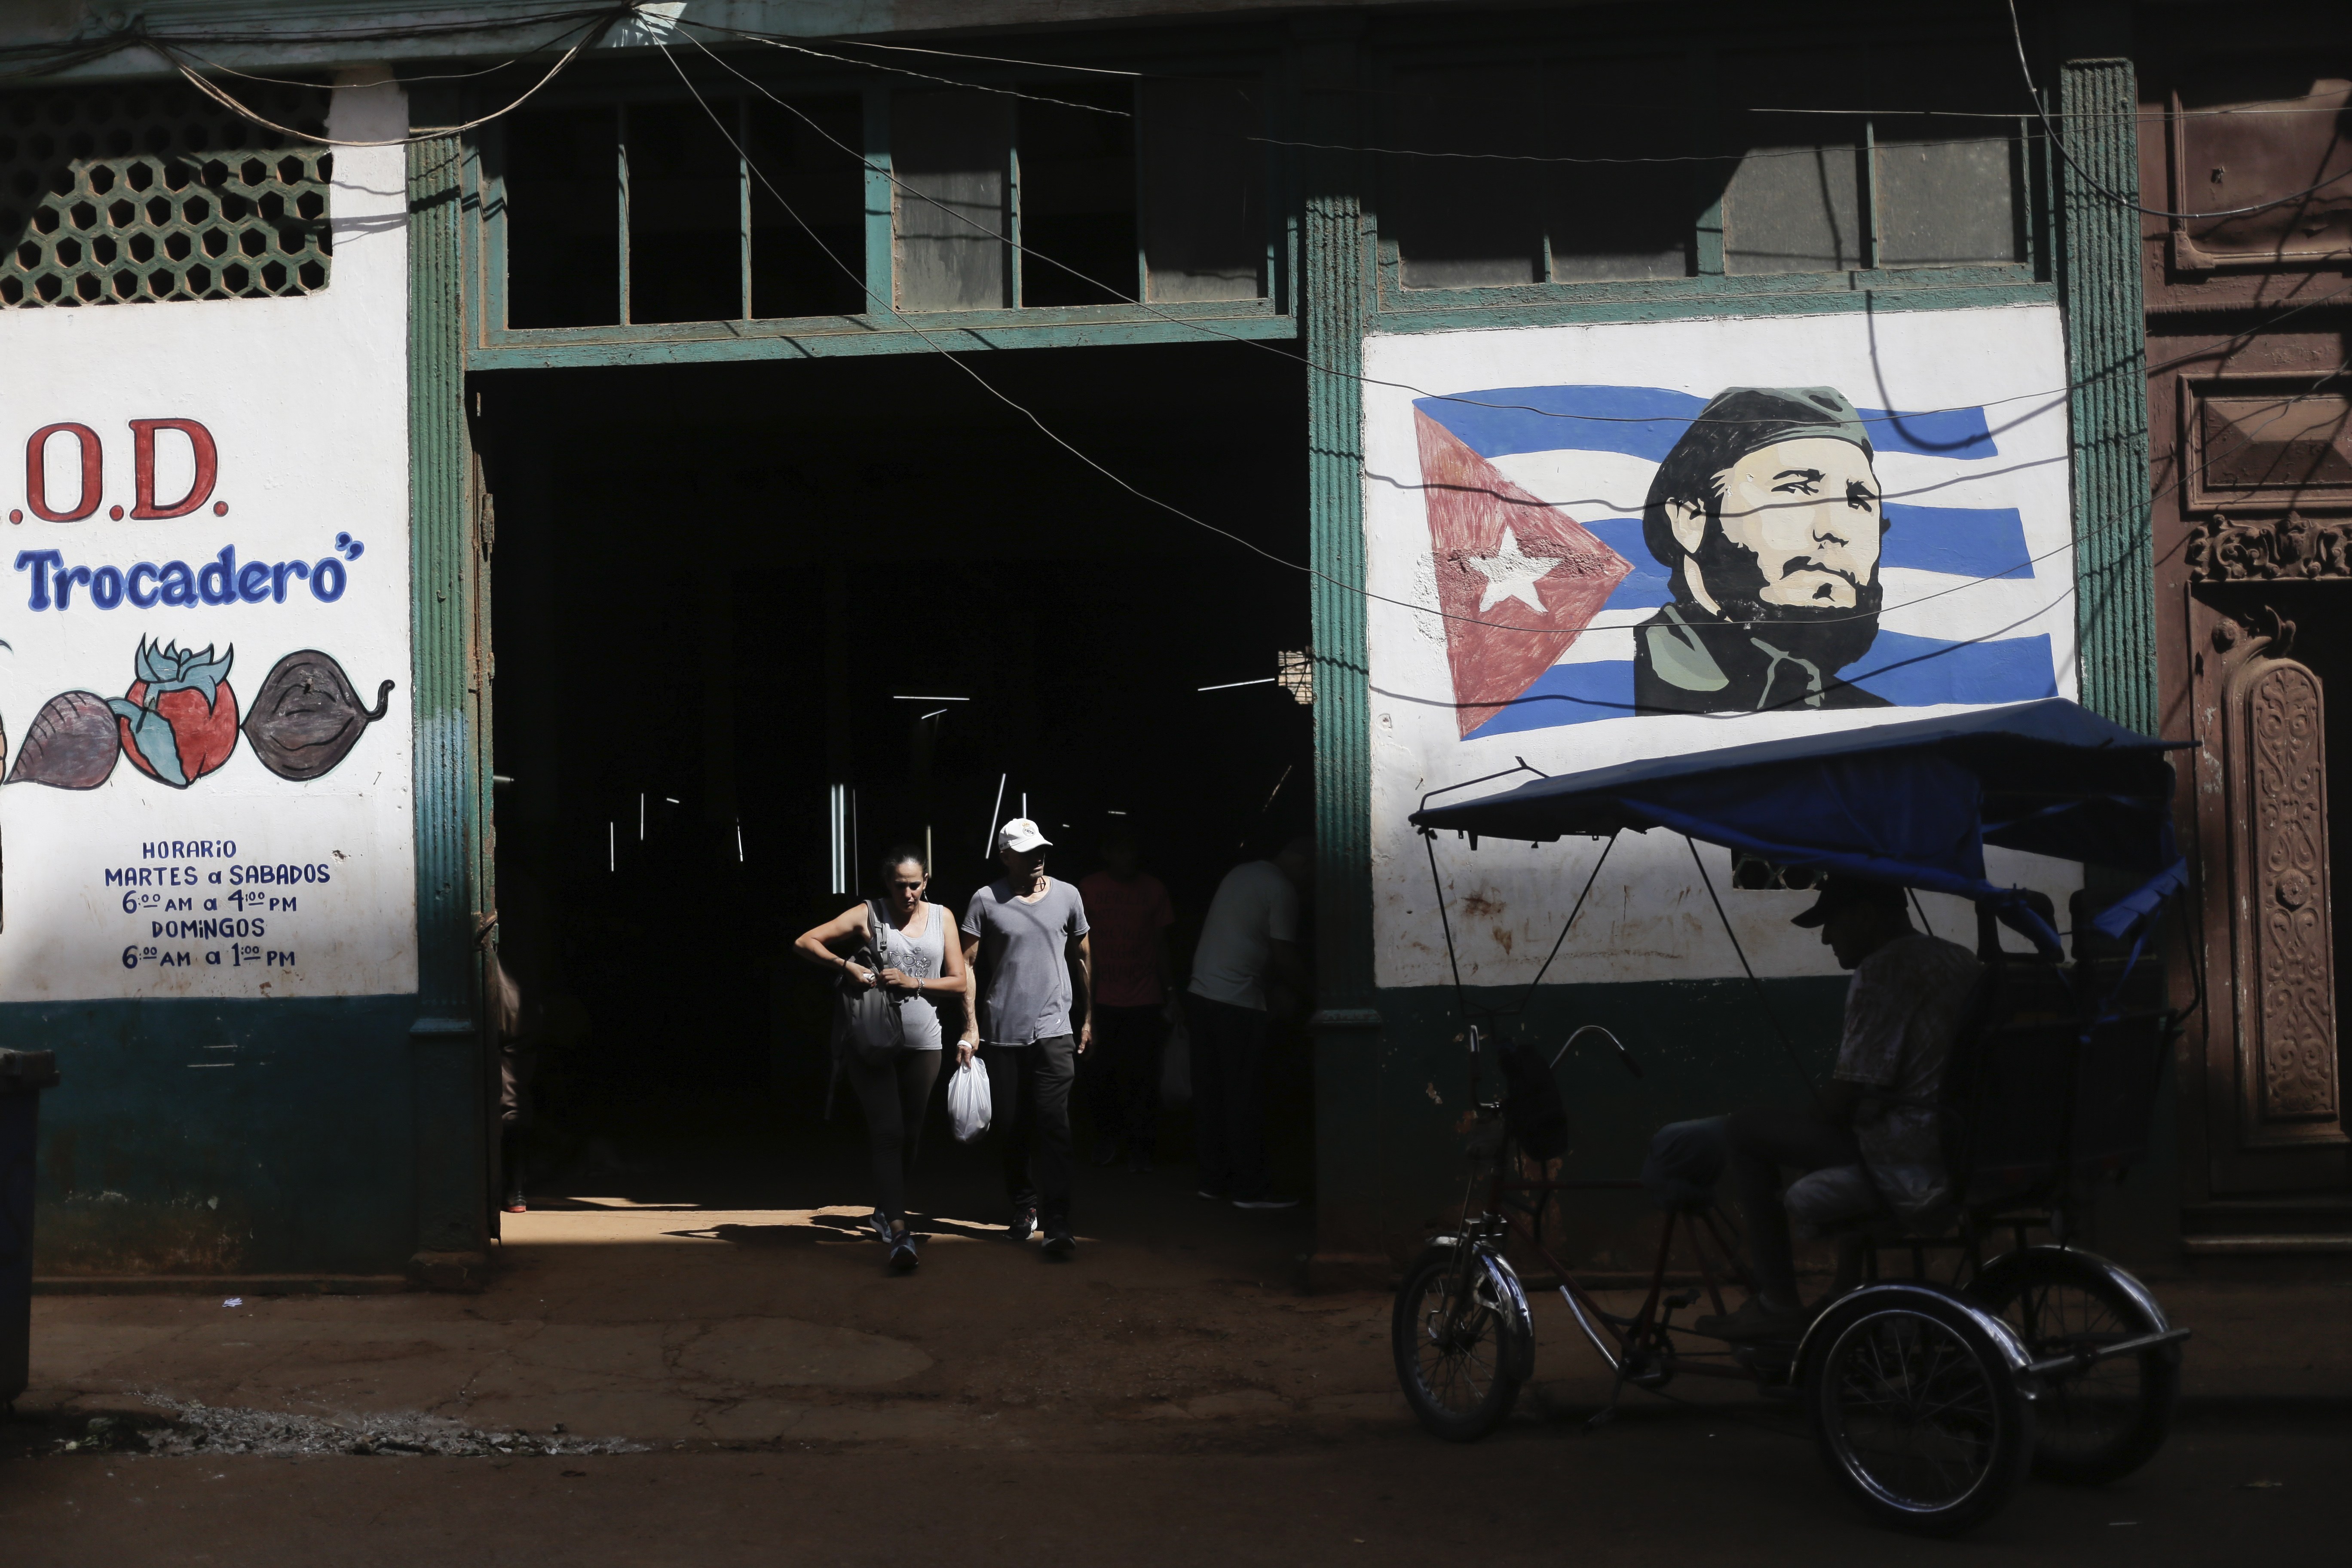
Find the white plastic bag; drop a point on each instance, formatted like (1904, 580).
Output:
(968, 1109)
(1176, 1068)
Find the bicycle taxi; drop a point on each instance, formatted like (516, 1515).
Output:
(1931, 1394)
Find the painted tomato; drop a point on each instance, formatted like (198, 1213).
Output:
(178, 721)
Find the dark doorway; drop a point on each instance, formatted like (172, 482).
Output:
(732, 602)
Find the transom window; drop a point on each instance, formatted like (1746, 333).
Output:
(1052, 195)
(1674, 166)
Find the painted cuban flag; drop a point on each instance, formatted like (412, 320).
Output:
(1556, 590)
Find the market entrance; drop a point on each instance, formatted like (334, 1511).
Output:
(756, 623)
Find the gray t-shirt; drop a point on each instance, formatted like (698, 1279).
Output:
(1024, 973)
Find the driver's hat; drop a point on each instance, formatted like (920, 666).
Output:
(1839, 893)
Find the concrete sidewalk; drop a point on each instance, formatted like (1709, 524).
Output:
(1182, 1328)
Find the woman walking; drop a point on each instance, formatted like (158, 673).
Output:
(915, 957)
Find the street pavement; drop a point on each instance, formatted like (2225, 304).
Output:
(1171, 1396)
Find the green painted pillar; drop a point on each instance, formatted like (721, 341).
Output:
(1336, 267)
(2107, 363)
(448, 1075)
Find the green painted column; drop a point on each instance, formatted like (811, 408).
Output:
(1335, 291)
(448, 1073)
(2107, 363)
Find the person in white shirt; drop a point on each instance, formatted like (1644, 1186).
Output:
(1251, 935)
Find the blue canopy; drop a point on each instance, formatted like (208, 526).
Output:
(1912, 803)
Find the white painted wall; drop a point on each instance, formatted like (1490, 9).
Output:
(1649, 917)
(307, 399)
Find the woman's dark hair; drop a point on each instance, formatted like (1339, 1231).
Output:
(898, 855)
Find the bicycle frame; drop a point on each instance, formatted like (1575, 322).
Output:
(1643, 1355)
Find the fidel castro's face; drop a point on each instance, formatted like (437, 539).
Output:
(1808, 510)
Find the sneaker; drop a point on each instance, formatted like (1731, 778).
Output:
(1213, 1194)
(1139, 1159)
(1266, 1201)
(1024, 1223)
(1107, 1154)
(902, 1252)
(880, 1224)
(514, 1203)
(1059, 1242)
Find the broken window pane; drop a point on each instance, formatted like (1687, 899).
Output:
(562, 185)
(950, 151)
(1474, 221)
(1621, 220)
(1077, 196)
(1204, 230)
(805, 152)
(686, 220)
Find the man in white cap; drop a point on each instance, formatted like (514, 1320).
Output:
(1025, 938)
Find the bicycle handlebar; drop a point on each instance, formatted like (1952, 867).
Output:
(1624, 1054)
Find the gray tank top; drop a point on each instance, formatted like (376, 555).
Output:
(920, 957)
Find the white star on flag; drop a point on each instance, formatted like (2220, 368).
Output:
(1510, 575)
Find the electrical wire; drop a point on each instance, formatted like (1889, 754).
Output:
(1742, 157)
(1171, 508)
(775, 43)
(1210, 330)
(1053, 436)
(992, 59)
(2017, 31)
(594, 30)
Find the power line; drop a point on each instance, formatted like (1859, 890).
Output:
(1114, 477)
(775, 43)
(1210, 330)
(594, 31)
(2017, 31)
(1305, 568)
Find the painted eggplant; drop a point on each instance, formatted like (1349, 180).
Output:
(306, 718)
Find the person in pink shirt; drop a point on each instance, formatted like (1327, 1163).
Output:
(1128, 912)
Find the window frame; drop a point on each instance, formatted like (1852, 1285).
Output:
(881, 327)
(1708, 289)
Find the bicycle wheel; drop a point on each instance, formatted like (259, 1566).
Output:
(2105, 1421)
(1918, 1411)
(1462, 1344)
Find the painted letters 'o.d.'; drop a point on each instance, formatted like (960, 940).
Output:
(37, 478)
(143, 441)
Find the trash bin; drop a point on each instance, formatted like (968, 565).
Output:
(23, 1076)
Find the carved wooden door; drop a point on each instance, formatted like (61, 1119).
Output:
(2272, 1099)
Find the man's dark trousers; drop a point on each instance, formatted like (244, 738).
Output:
(1764, 1139)
(1029, 1099)
(1228, 1096)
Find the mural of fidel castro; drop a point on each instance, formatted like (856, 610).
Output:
(1767, 515)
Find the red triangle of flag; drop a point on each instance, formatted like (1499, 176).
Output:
(1497, 641)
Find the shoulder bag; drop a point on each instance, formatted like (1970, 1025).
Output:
(869, 1018)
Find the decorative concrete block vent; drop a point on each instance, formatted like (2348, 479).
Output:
(118, 194)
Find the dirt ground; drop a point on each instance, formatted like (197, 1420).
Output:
(746, 1383)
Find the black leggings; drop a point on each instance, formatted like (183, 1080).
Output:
(894, 1097)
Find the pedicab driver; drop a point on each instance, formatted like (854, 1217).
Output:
(1869, 1143)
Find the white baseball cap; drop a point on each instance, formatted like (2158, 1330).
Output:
(1021, 835)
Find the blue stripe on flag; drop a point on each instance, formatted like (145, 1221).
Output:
(1583, 419)
(1645, 587)
(2010, 670)
(1962, 541)
(1967, 541)
(1567, 694)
